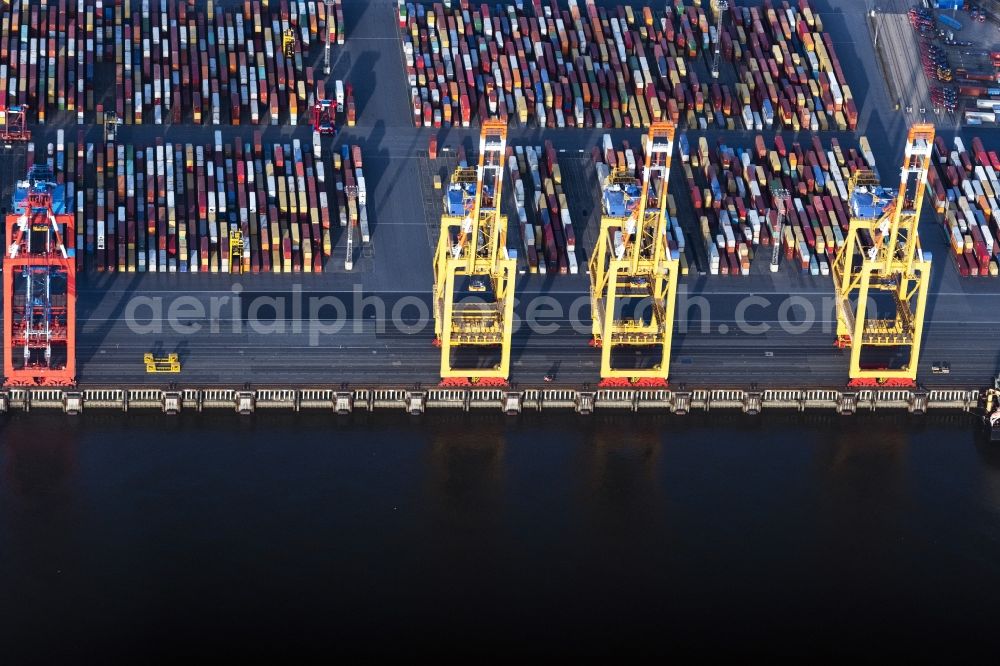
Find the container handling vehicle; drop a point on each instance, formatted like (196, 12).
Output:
(323, 117)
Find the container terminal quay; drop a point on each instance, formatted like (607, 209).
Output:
(181, 340)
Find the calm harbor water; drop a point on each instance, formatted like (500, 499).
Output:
(208, 535)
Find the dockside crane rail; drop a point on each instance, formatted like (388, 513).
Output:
(882, 255)
(632, 261)
(472, 256)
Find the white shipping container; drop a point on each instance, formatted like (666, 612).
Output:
(365, 236)
(574, 267)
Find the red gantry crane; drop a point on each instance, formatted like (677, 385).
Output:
(39, 288)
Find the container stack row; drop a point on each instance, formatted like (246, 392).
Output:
(627, 161)
(352, 197)
(335, 21)
(47, 57)
(174, 61)
(736, 193)
(581, 65)
(333, 106)
(966, 189)
(542, 209)
(180, 62)
(174, 207)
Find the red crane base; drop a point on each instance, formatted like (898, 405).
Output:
(881, 383)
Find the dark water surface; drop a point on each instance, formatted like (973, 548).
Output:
(131, 536)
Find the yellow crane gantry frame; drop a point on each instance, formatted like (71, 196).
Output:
(882, 254)
(473, 245)
(288, 42)
(633, 261)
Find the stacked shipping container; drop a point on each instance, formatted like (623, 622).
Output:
(542, 209)
(617, 67)
(182, 60)
(965, 189)
(732, 193)
(173, 61)
(352, 197)
(171, 207)
(47, 56)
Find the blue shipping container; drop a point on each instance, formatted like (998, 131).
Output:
(949, 21)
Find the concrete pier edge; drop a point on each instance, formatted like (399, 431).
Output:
(509, 400)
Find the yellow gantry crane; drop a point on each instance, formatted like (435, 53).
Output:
(632, 261)
(881, 263)
(471, 259)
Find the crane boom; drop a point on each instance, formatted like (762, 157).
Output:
(881, 264)
(471, 256)
(633, 262)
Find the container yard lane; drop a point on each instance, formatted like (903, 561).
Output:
(900, 54)
(741, 340)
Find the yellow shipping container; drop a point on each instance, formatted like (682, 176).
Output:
(522, 109)
(983, 202)
(789, 235)
(655, 112)
(549, 190)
